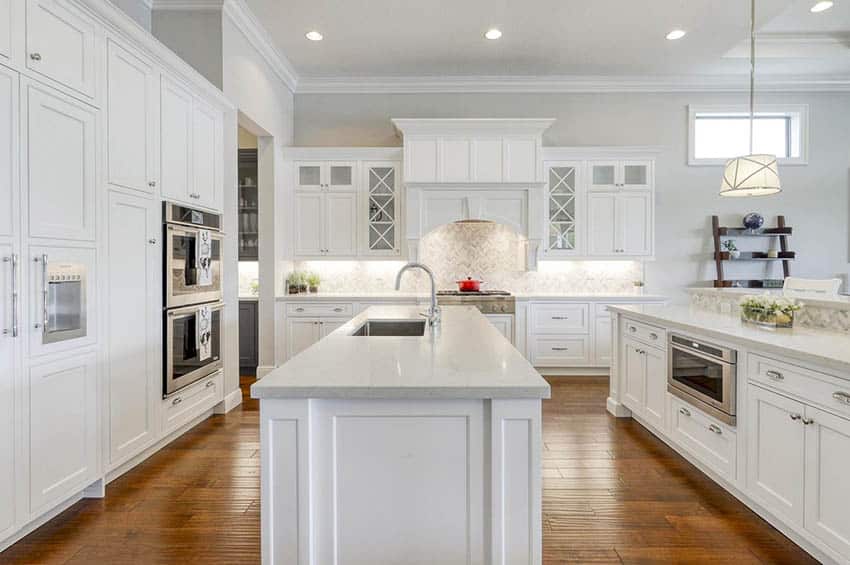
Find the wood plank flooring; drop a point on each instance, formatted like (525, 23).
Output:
(613, 493)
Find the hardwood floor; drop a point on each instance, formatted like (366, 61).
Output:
(613, 493)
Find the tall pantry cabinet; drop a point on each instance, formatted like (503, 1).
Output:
(87, 135)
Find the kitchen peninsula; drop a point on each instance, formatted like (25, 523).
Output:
(393, 441)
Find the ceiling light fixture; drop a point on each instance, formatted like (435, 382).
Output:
(314, 36)
(751, 175)
(493, 33)
(676, 34)
(821, 6)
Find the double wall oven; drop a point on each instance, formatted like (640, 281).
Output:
(192, 296)
(704, 375)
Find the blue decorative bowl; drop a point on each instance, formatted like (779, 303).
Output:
(753, 221)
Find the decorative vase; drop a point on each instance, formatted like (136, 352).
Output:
(293, 289)
(314, 289)
(763, 318)
(753, 221)
(302, 288)
(735, 254)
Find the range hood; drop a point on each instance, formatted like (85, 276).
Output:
(460, 170)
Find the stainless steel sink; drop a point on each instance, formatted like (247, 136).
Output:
(399, 328)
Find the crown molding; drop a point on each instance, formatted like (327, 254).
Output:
(569, 84)
(462, 126)
(794, 45)
(186, 5)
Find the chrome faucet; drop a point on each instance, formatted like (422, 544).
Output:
(433, 313)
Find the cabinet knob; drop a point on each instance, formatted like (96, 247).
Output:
(35, 56)
(152, 241)
(152, 183)
(808, 421)
(632, 329)
(795, 417)
(209, 384)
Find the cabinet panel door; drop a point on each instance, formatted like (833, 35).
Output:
(301, 333)
(341, 223)
(6, 15)
(61, 44)
(248, 337)
(827, 487)
(381, 228)
(309, 175)
(602, 341)
(131, 120)
(603, 175)
(520, 159)
(655, 401)
(308, 223)
(487, 159)
(62, 429)
(8, 151)
(341, 175)
(456, 160)
(420, 159)
(60, 169)
(776, 453)
(327, 327)
(634, 216)
(133, 374)
(634, 384)
(8, 388)
(636, 174)
(175, 145)
(503, 323)
(601, 219)
(442, 207)
(206, 155)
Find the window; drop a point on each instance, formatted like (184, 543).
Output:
(717, 133)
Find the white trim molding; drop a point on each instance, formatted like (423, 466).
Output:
(799, 114)
(343, 153)
(590, 152)
(569, 84)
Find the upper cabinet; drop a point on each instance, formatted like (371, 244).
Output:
(61, 42)
(382, 199)
(472, 151)
(59, 162)
(332, 175)
(620, 224)
(8, 150)
(563, 208)
(614, 175)
(191, 133)
(6, 14)
(132, 120)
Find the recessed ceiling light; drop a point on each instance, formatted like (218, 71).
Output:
(822, 6)
(314, 36)
(493, 34)
(676, 34)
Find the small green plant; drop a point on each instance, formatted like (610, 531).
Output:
(313, 279)
(729, 245)
(769, 310)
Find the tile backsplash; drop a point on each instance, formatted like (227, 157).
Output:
(491, 252)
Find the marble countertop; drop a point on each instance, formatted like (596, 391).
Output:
(387, 295)
(352, 296)
(822, 347)
(840, 302)
(468, 358)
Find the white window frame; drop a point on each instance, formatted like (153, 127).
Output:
(797, 112)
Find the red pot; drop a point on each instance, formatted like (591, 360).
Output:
(469, 285)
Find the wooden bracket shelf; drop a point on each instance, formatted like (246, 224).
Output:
(781, 231)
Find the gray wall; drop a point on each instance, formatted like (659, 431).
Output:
(814, 200)
(136, 9)
(194, 35)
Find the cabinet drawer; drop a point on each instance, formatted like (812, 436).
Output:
(189, 403)
(560, 351)
(320, 309)
(813, 387)
(707, 439)
(651, 335)
(560, 318)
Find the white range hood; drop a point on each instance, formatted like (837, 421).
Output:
(474, 169)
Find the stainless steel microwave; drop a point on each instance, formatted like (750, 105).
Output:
(184, 258)
(63, 297)
(704, 375)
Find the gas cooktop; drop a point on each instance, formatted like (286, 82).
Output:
(473, 293)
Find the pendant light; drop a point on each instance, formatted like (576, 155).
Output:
(753, 174)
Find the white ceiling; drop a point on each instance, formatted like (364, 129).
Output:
(443, 38)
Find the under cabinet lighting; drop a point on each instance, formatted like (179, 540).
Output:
(822, 6)
(314, 35)
(493, 34)
(676, 34)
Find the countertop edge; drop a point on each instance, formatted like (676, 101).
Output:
(402, 393)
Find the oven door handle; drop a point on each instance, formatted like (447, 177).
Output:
(700, 354)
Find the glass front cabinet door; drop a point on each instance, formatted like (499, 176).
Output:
(382, 203)
(562, 208)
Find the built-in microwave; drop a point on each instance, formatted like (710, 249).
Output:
(193, 249)
(193, 344)
(704, 375)
(63, 300)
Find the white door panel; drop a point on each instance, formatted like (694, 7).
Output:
(8, 151)
(341, 223)
(308, 223)
(176, 125)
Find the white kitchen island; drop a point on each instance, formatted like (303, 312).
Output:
(415, 450)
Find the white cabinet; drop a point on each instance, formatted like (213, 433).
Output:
(301, 333)
(9, 386)
(191, 147)
(776, 453)
(6, 19)
(175, 144)
(559, 351)
(504, 323)
(8, 151)
(328, 326)
(827, 488)
(612, 175)
(132, 120)
(620, 224)
(59, 165)
(634, 376)
(325, 223)
(134, 372)
(328, 175)
(602, 341)
(645, 381)
(61, 43)
(710, 441)
(191, 402)
(63, 434)
(383, 192)
(563, 208)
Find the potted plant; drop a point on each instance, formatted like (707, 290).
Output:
(729, 245)
(313, 280)
(766, 310)
(294, 282)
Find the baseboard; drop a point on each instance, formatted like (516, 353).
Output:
(574, 371)
(231, 401)
(617, 409)
(264, 370)
(36, 523)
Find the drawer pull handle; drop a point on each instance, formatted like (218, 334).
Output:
(653, 335)
(795, 417)
(775, 375)
(337, 309)
(842, 397)
(808, 421)
(715, 428)
(176, 401)
(299, 309)
(632, 329)
(684, 412)
(560, 317)
(560, 349)
(35, 56)
(210, 383)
